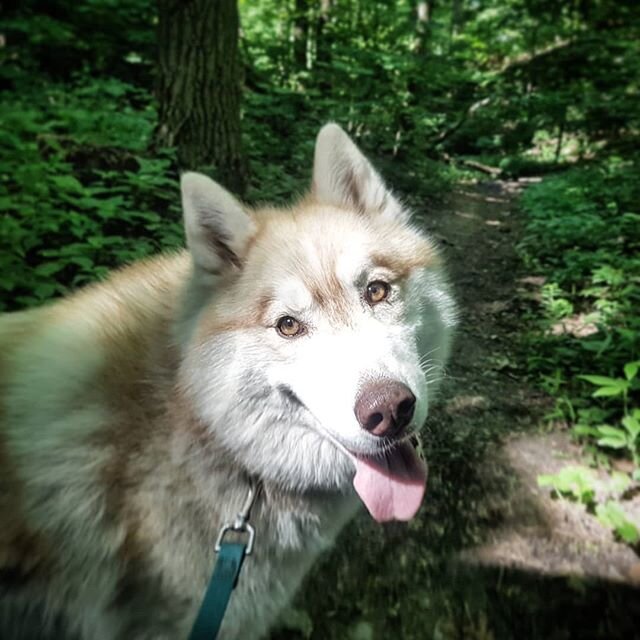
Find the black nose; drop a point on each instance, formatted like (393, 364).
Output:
(385, 408)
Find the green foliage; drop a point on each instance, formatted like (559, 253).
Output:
(582, 235)
(78, 195)
(612, 515)
(575, 482)
(62, 38)
(579, 483)
(556, 86)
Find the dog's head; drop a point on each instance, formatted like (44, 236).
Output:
(315, 334)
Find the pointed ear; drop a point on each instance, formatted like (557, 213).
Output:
(218, 229)
(342, 176)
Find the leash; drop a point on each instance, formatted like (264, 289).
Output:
(231, 555)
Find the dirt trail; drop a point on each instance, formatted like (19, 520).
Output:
(488, 392)
(491, 556)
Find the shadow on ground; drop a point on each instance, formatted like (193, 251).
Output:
(490, 556)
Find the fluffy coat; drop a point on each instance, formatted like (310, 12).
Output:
(134, 413)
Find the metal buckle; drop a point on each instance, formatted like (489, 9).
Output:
(244, 527)
(241, 523)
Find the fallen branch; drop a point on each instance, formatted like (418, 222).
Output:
(494, 172)
(469, 111)
(527, 58)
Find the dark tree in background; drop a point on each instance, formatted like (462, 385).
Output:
(199, 87)
(300, 33)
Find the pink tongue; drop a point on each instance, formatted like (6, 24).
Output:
(391, 485)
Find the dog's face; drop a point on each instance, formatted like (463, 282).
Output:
(326, 327)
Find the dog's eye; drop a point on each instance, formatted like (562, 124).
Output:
(289, 327)
(377, 291)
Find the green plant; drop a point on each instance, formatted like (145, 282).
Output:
(555, 301)
(608, 387)
(586, 249)
(627, 435)
(575, 482)
(612, 515)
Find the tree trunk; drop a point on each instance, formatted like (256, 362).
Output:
(323, 42)
(455, 23)
(300, 33)
(424, 12)
(561, 128)
(199, 87)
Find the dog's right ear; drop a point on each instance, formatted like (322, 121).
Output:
(217, 227)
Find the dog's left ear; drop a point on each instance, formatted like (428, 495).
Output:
(217, 227)
(342, 176)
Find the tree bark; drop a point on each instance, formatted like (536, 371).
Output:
(455, 23)
(323, 42)
(199, 87)
(300, 33)
(561, 128)
(424, 13)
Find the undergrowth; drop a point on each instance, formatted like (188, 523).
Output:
(79, 192)
(583, 237)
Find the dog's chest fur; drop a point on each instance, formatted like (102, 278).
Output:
(137, 557)
(290, 533)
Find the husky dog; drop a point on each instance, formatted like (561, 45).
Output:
(296, 348)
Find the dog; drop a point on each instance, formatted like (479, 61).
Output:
(295, 348)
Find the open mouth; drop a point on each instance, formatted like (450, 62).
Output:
(391, 484)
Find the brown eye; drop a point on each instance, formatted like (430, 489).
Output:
(377, 291)
(289, 327)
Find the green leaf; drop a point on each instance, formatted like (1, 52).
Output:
(45, 290)
(612, 443)
(602, 381)
(585, 430)
(608, 386)
(82, 261)
(606, 392)
(574, 481)
(628, 532)
(607, 430)
(632, 425)
(49, 268)
(631, 369)
(620, 482)
(68, 183)
(612, 515)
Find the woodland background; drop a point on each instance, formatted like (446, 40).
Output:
(103, 102)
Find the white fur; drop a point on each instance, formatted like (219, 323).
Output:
(209, 208)
(336, 160)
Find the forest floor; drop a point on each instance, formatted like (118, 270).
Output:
(491, 555)
(488, 384)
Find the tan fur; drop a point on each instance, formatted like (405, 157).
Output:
(329, 294)
(23, 552)
(24, 555)
(400, 265)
